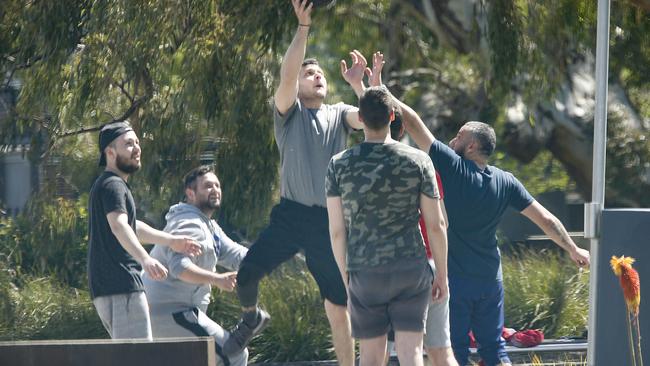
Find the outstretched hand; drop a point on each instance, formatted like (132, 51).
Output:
(185, 245)
(303, 11)
(154, 269)
(580, 257)
(226, 281)
(354, 75)
(374, 74)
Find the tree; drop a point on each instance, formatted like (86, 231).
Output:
(528, 67)
(193, 77)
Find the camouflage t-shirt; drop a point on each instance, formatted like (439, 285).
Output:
(380, 186)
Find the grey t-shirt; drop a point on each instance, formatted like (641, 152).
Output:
(307, 139)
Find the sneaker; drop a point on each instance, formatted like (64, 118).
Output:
(243, 333)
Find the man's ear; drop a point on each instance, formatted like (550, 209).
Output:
(110, 151)
(391, 116)
(190, 194)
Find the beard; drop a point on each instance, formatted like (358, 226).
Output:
(209, 205)
(125, 165)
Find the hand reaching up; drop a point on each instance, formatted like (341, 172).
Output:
(354, 75)
(374, 75)
(302, 8)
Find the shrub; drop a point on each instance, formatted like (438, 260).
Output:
(545, 290)
(43, 308)
(48, 238)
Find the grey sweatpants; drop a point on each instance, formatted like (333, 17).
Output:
(192, 323)
(125, 316)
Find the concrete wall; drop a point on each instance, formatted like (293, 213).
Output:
(106, 352)
(624, 232)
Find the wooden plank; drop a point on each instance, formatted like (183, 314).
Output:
(106, 352)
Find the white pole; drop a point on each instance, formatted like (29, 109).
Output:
(595, 208)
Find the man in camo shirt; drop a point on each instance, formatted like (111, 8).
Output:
(374, 193)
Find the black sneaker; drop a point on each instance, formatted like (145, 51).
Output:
(242, 334)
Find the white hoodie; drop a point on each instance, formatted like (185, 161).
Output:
(172, 294)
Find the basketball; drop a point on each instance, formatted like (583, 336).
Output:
(323, 3)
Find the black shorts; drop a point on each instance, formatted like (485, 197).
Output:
(296, 227)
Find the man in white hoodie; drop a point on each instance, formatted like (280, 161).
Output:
(178, 304)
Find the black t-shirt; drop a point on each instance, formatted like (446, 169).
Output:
(111, 269)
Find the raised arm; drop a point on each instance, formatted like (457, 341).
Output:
(552, 227)
(354, 77)
(414, 126)
(287, 91)
(412, 122)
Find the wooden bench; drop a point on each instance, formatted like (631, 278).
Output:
(107, 352)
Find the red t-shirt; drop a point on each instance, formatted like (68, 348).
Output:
(423, 227)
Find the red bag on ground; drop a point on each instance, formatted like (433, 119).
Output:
(527, 338)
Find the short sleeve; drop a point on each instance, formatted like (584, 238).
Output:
(519, 197)
(281, 119)
(444, 158)
(113, 196)
(331, 181)
(343, 109)
(429, 186)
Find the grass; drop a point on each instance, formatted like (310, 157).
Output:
(545, 291)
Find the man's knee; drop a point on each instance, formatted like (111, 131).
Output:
(441, 356)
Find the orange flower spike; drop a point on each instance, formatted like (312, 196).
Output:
(630, 282)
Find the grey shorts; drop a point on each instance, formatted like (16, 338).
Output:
(437, 330)
(381, 298)
(125, 316)
(436, 334)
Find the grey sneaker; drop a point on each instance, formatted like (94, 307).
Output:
(242, 334)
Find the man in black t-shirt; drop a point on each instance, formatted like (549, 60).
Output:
(115, 255)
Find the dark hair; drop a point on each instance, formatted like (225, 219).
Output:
(396, 127)
(485, 136)
(194, 174)
(309, 61)
(375, 106)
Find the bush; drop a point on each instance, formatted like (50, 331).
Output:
(48, 238)
(43, 308)
(545, 290)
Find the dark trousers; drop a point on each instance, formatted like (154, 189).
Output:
(477, 305)
(293, 227)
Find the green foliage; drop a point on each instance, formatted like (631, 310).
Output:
(49, 238)
(628, 155)
(545, 291)
(542, 174)
(44, 308)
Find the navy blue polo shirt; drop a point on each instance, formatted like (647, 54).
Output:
(475, 200)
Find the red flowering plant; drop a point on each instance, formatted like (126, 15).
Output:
(631, 285)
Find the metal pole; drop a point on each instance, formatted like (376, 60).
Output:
(595, 208)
